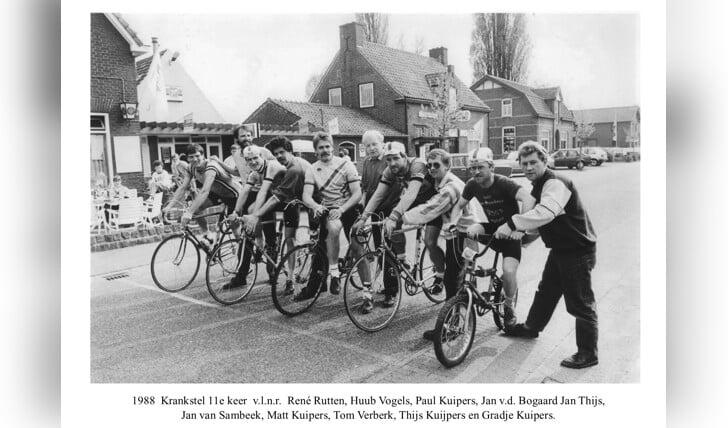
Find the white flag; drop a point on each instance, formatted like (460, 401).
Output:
(334, 126)
(153, 93)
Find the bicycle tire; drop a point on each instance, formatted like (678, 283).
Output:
(498, 303)
(303, 258)
(453, 339)
(177, 253)
(380, 315)
(222, 266)
(426, 277)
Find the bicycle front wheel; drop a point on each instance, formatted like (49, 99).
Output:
(222, 267)
(371, 308)
(453, 338)
(175, 263)
(298, 279)
(426, 277)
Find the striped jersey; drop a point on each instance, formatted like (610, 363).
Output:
(223, 185)
(332, 179)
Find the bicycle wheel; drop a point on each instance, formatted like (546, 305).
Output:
(222, 266)
(426, 277)
(303, 278)
(376, 316)
(175, 263)
(453, 339)
(499, 296)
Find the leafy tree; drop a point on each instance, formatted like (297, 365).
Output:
(584, 129)
(376, 27)
(500, 46)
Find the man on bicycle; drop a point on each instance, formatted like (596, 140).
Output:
(264, 176)
(499, 197)
(289, 190)
(411, 174)
(215, 185)
(336, 181)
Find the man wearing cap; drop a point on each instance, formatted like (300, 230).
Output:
(265, 175)
(411, 174)
(565, 228)
(499, 197)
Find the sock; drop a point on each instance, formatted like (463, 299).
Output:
(334, 270)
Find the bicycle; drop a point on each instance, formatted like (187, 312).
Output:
(455, 325)
(419, 277)
(290, 281)
(176, 260)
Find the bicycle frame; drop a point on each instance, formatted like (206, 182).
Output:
(399, 264)
(470, 285)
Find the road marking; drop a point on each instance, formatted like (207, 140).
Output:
(157, 289)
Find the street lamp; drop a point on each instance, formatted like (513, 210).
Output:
(129, 110)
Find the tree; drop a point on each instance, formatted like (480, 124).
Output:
(584, 129)
(376, 27)
(311, 84)
(500, 46)
(419, 45)
(400, 42)
(445, 107)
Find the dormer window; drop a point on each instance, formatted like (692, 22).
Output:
(366, 95)
(335, 96)
(506, 107)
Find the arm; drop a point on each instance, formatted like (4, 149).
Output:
(404, 203)
(436, 206)
(457, 210)
(376, 199)
(242, 198)
(202, 195)
(355, 187)
(179, 193)
(309, 185)
(554, 198)
(527, 201)
(230, 170)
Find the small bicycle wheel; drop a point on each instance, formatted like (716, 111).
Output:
(175, 263)
(222, 267)
(298, 279)
(453, 339)
(371, 268)
(499, 297)
(426, 277)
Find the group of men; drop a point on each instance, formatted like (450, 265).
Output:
(402, 189)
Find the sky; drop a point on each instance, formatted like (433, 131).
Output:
(240, 60)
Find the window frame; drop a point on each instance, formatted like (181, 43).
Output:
(338, 88)
(361, 98)
(503, 137)
(510, 107)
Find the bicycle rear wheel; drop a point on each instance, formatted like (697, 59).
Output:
(377, 315)
(295, 289)
(426, 277)
(222, 266)
(175, 263)
(453, 339)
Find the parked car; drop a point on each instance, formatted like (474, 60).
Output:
(596, 154)
(570, 158)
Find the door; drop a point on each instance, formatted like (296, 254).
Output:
(165, 152)
(99, 169)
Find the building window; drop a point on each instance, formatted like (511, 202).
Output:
(506, 107)
(335, 96)
(545, 136)
(97, 123)
(420, 131)
(366, 95)
(509, 139)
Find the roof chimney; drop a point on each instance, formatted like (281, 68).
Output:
(350, 36)
(440, 54)
(155, 45)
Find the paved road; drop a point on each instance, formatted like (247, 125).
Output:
(140, 334)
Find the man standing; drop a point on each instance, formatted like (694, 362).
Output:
(230, 162)
(339, 191)
(565, 228)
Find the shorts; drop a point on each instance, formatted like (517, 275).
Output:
(348, 219)
(229, 202)
(507, 247)
(291, 215)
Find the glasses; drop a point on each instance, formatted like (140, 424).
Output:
(433, 165)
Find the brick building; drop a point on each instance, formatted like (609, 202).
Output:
(613, 127)
(522, 113)
(114, 140)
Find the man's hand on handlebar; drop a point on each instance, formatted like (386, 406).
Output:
(319, 211)
(251, 222)
(389, 226)
(474, 230)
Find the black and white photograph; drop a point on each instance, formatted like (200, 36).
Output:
(366, 217)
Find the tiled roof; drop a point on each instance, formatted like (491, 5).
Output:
(566, 114)
(608, 115)
(538, 103)
(142, 66)
(351, 121)
(405, 72)
(546, 93)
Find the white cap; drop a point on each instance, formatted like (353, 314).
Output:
(252, 150)
(393, 148)
(480, 156)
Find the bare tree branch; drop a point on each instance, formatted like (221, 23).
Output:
(500, 46)
(376, 27)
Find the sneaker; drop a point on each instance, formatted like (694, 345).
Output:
(520, 330)
(334, 287)
(389, 301)
(436, 286)
(509, 317)
(233, 284)
(429, 335)
(289, 288)
(305, 294)
(367, 305)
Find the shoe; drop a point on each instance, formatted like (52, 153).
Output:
(580, 360)
(429, 335)
(289, 288)
(389, 301)
(436, 286)
(305, 294)
(334, 287)
(233, 284)
(367, 306)
(520, 330)
(509, 317)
